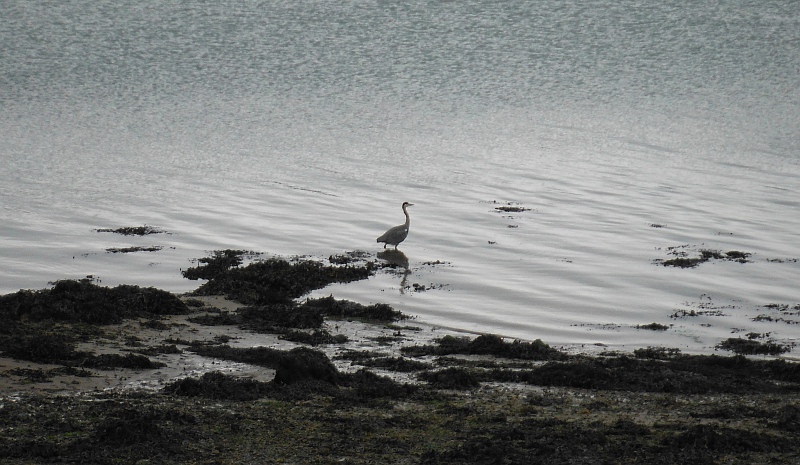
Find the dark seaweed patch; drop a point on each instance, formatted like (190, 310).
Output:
(108, 361)
(154, 248)
(160, 349)
(710, 439)
(552, 441)
(682, 261)
(487, 345)
(292, 321)
(451, 378)
(752, 347)
(38, 346)
(786, 419)
(283, 318)
(261, 356)
(42, 347)
(654, 371)
(511, 209)
(276, 317)
(508, 207)
(345, 309)
(220, 319)
(368, 385)
(400, 364)
(270, 281)
(216, 385)
(44, 326)
(653, 327)
(736, 255)
(535, 441)
(133, 230)
(303, 364)
(216, 265)
(657, 353)
(85, 302)
(194, 303)
(349, 257)
(677, 374)
(314, 338)
(42, 376)
(309, 369)
(152, 432)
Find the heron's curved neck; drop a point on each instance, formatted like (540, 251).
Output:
(408, 218)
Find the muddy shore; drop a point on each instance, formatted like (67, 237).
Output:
(245, 370)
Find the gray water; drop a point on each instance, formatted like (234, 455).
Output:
(298, 128)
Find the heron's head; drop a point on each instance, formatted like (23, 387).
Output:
(407, 204)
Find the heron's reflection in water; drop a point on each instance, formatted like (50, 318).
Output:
(397, 260)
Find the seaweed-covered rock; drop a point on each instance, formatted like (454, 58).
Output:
(303, 364)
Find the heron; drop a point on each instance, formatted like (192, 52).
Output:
(398, 234)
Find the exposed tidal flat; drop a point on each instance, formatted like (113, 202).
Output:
(248, 369)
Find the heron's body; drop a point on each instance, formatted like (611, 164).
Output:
(397, 234)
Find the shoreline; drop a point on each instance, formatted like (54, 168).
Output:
(208, 379)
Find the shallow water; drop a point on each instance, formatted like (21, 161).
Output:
(299, 128)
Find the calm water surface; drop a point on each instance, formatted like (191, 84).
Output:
(630, 130)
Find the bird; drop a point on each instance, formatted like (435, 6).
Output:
(397, 234)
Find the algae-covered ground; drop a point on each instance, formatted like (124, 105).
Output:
(244, 371)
